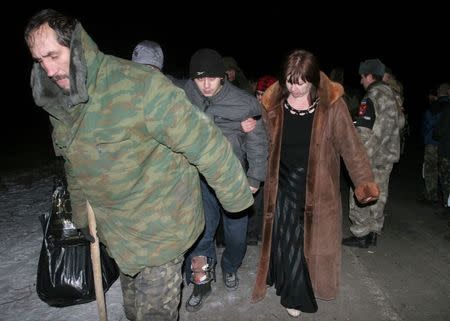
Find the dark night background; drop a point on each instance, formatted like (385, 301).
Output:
(412, 44)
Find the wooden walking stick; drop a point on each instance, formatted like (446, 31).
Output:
(96, 265)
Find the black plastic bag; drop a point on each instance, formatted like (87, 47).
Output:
(65, 275)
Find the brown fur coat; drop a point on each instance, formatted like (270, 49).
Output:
(333, 135)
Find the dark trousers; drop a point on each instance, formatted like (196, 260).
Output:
(235, 233)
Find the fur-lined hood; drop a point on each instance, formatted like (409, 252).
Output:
(329, 92)
(83, 53)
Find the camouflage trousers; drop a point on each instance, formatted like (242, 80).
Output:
(444, 176)
(431, 173)
(154, 293)
(370, 218)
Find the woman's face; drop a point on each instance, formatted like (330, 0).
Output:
(298, 90)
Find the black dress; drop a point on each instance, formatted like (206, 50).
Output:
(288, 270)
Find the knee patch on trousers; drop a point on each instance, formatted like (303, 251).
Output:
(202, 269)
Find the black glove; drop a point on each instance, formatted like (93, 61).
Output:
(87, 235)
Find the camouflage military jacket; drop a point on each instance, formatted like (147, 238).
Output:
(133, 146)
(382, 141)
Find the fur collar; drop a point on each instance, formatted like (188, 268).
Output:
(329, 92)
(48, 95)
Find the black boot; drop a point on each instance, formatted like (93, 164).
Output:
(361, 242)
(198, 297)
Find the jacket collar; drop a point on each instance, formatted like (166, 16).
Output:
(329, 92)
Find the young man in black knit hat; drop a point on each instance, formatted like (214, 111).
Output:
(228, 106)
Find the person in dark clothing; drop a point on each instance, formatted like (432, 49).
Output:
(442, 135)
(235, 75)
(431, 194)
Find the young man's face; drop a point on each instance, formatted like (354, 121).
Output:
(208, 86)
(53, 57)
(366, 80)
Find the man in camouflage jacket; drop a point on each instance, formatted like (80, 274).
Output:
(133, 146)
(377, 123)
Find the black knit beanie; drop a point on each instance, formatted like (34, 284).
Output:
(206, 63)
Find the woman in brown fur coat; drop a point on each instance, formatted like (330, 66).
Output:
(309, 128)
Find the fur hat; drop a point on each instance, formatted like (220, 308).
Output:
(206, 63)
(372, 66)
(148, 53)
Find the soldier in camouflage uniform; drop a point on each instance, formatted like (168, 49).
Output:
(130, 140)
(378, 127)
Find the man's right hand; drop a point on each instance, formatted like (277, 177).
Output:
(367, 192)
(248, 125)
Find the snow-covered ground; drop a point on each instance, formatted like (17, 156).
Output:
(23, 197)
(391, 281)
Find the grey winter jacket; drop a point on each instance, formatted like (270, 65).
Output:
(228, 108)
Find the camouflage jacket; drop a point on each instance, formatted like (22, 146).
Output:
(382, 141)
(397, 89)
(133, 146)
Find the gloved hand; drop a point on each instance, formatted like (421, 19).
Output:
(367, 192)
(87, 235)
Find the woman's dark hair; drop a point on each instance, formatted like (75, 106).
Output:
(62, 24)
(300, 65)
